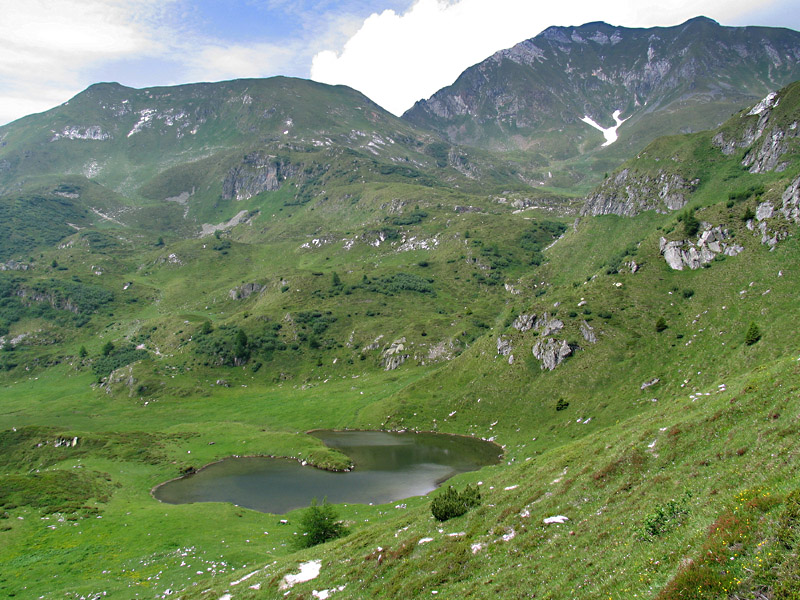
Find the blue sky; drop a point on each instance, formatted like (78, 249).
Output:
(394, 51)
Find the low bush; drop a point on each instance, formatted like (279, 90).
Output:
(319, 524)
(665, 517)
(452, 503)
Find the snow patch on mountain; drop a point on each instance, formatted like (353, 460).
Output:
(610, 133)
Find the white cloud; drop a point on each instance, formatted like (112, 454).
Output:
(214, 61)
(54, 49)
(396, 59)
(48, 45)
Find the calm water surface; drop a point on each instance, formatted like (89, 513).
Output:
(388, 467)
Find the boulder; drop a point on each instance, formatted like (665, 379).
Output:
(588, 333)
(551, 352)
(548, 325)
(524, 323)
(503, 346)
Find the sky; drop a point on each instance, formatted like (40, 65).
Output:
(394, 51)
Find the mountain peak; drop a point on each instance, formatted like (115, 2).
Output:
(702, 20)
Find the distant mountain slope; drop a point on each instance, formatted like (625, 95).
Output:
(663, 80)
(174, 158)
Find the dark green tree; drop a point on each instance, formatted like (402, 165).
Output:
(319, 524)
(753, 334)
(241, 350)
(690, 224)
(206, 327)
(661, 324)
(82, 352)
(107, 348)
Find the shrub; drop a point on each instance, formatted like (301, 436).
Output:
(688, 293)
(562, 404)
(661, 324)
(320, 524)
(753, 334)
(452, 503)
(665, 517)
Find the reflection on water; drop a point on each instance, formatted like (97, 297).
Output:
(388, 467)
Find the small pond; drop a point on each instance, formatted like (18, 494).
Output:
(388, 467)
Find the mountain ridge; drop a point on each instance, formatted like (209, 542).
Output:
(520, 102)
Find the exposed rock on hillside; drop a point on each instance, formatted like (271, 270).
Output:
(772, 224)
(257, 173)
(524, 322)
(549, 325)
(93, 132)
(685, 253)
(588, 333)
(395, 355)
(243, 216)
(629, 192)
(504, 347)
(791, 201)
(760, 122)
(13, 265)
(441, 351)
(244, 291)
(551, 352)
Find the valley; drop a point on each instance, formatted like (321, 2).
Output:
(212, 270)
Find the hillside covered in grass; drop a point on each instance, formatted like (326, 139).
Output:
(634, 353)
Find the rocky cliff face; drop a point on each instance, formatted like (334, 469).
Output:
(767, 137)
(629, 192)
(257, 173)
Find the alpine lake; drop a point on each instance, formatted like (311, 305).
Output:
(388, 466)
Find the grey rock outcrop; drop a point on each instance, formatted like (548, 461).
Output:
(13, 265)
(777, 139)
(524, 323)
(685, 253)
(551, 352)
(376, 343)
(504, 347)
(257, 173)
(764, 211)
(588, 333)
(548, 325)
(767, 157)
(74, 132)
(627, 193)
(394, 355)
(791, 201)
(756, 129)
(244, 291)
